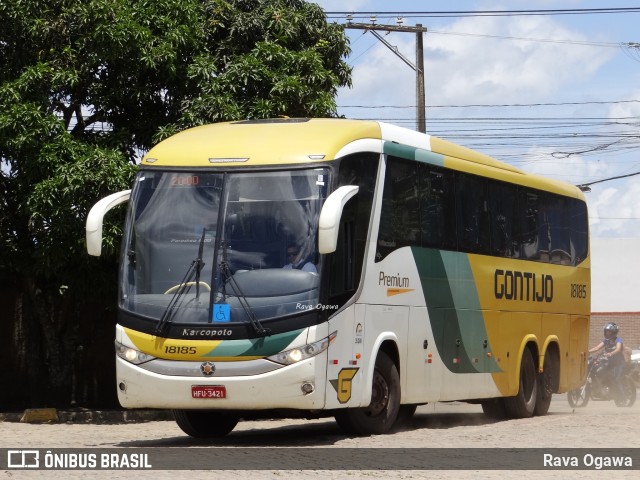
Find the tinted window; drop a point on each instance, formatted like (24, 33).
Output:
(471, 213)
(400, 220)
(437, 207)
(429, 206)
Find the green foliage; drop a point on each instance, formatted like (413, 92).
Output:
(87, 86)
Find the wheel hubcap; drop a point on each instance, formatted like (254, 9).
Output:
(379, 395)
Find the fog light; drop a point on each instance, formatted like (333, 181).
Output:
(122, 386)
(307, 388)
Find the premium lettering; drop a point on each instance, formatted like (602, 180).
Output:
(524, 286)
(393, 280)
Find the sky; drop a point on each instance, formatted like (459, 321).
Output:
(557, 95)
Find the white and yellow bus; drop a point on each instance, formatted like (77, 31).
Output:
(346, 268)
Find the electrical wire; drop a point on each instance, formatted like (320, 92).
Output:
(482, 13)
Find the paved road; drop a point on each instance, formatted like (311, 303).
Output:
(449, 425)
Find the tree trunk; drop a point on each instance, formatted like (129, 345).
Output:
(49, 353)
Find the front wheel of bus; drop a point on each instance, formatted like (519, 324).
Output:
(524, 403)
(204, 423)
(383, 410)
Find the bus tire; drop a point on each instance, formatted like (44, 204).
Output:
(205, 423)
(494, 408)
(405, 414)
(382, 412)
(524, 403)
(547, 383)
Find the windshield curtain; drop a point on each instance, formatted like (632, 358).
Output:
(222, 248)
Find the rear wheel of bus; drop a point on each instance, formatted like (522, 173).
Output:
(205, 423)
(524, 403)
(547, 381)
(382, 412)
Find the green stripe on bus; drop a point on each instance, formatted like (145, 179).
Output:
(255, 347)
(454, 310)
(412, 153)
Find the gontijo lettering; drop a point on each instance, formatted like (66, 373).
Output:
(514, 285)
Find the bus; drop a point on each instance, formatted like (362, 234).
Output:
(345, 268)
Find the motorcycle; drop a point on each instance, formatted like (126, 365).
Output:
(634, 372)
(598, 385)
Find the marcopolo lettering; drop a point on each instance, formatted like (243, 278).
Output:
(526, 286)
(192, 332)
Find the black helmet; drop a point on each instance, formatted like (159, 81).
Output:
(611, 328)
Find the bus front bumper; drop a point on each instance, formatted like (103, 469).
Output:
(298, 386)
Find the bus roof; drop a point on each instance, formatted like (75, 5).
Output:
(260, 142)
(287, 141)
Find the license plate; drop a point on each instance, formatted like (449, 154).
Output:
(208, 391)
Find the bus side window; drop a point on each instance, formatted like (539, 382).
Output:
(437, 207)
(559, 231)
(528, 208)
(579, 231)
(399, 218)
(501, 216)
(472, 213)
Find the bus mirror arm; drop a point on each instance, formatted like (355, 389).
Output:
(330, 215)
(94, 220)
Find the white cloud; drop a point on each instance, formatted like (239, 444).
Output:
(474, 69)
(622, 110)
(615, 210)
(492, 70)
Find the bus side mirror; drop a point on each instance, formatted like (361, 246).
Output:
(94, 220)
(330, 217)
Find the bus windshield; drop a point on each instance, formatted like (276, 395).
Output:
(222, 247)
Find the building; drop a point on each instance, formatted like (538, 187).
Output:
(615, 288)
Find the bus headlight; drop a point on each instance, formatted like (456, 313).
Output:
(131, 354)
(298, 354)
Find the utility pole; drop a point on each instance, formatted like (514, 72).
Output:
(418, 67)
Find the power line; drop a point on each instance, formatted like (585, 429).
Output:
(527, 39)
(493, 105)
(485, 13)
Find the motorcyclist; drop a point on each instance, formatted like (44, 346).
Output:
(613, 350)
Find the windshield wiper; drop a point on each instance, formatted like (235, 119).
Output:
(242, 299)
(194, 270)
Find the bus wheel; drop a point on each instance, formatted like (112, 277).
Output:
(405, 414)
(524, 403)
(205, 423)
(382, 412)
(494, 408)
(546, 383)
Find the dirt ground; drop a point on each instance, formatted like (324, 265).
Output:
(443, 425)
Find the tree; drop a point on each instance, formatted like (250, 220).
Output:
(85, 88)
